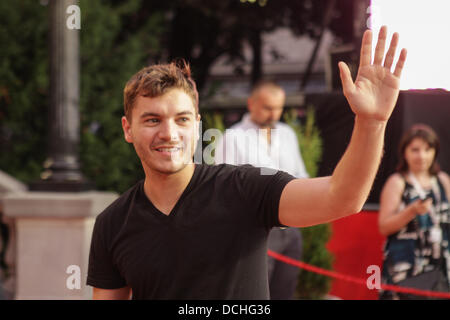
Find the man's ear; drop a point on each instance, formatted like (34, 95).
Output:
(249, 103)
(127, 130)
(198, 124)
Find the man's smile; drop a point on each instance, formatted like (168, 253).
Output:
(167, 150)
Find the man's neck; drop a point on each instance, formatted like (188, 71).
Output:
(164, 190)
(268, 136)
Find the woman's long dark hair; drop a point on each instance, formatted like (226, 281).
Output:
(428, 135)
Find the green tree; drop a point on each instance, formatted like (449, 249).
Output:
(24, 82)
(115, 42)
(113, 47)
(201, 31)
(311, 285)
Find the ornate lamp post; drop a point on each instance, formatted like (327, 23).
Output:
(62, 167)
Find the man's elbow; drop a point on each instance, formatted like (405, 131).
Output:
(112, 294)
(346, 203)
(351, 210)
(348, 208)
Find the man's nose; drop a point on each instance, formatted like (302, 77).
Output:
(273, 114)
(168, 131)
(277, 113)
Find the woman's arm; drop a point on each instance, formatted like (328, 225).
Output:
(390, 220)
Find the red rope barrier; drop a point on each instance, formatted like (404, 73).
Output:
(359, 281)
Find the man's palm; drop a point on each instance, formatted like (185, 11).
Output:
(374, 93)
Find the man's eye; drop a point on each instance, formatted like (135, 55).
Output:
(152, 120)
(184, 119)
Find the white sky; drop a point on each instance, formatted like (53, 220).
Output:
(424, 28)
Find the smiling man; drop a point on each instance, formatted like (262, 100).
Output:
(200, 232)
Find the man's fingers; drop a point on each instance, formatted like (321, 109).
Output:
(346, 77)
(381, 44)
(400, 63)
(389, 60)
(366, 49)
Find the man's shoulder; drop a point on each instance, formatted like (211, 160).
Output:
(238, 125)
(217, 169)
(285, 127)
(120, 206)
(226, 171)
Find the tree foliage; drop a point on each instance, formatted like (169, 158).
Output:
(311, 285)
(24, 85)
(308, 135)
(113, 47)
(115, 42)
(203, 30)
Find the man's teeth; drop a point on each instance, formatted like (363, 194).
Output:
(168, 149)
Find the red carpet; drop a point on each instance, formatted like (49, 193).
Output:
(355, 244)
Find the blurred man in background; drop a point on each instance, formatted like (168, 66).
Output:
(261, 140)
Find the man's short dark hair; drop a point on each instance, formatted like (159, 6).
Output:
(156, 80)
(265, 84)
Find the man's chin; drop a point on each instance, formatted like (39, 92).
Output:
(267, 125)
(169, 168)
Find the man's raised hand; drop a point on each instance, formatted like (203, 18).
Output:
(375, 91)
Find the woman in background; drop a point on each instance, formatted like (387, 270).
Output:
(414, 212)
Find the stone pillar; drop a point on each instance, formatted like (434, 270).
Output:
(53, 232)
(8, 185)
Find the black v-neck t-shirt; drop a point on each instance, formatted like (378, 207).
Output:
(212, 245)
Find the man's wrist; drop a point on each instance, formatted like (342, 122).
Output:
(370, 122)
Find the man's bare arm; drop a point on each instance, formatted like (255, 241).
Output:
(372, 98)
(112, 294)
